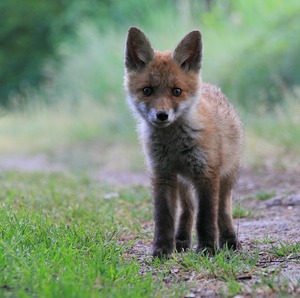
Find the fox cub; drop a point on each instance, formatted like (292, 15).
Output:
(192, 139)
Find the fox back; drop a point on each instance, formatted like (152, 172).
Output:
(192, 139)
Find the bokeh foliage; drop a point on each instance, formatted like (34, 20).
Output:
(30, 32)
(255, 42)
(266, 66)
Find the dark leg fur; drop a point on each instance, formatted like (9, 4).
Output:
(225, 222)
(185, 224)
(214, 216)
(165, 203)
(207, 223)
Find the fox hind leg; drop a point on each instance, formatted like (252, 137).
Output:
(227, 235)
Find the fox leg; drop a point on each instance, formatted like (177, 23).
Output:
(225, 222)
(165, 206)
(207, 217)
(185, 224)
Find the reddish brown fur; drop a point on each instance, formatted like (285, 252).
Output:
(163, 73)
(193, 150)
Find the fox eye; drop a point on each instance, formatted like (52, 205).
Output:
(176, 91)
(147, 91)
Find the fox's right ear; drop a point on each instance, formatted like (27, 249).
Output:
(138, 51)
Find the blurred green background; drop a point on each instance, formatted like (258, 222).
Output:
(61, 75)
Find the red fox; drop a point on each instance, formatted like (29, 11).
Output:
(192, 139)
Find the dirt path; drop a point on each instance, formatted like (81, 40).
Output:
(273, 200)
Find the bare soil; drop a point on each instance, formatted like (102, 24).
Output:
(274, 199)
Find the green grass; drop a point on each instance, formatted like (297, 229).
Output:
(239, 212)
(71, 236)
(225, 265)
(61, 237)
(266, 240)
(43, 257)
(263, 195)
(286, 249)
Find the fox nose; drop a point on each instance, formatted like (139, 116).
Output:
(162, 115)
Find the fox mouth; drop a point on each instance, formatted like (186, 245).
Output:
(161, 124)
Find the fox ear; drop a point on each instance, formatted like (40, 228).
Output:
(138, 51)
(188, 53)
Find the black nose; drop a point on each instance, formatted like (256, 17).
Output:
(162, 116)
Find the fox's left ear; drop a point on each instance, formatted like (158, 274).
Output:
(188, 53)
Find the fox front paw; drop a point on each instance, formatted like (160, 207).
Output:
(207, 250)
(161, 252)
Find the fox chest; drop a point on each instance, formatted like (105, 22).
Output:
(178, 152)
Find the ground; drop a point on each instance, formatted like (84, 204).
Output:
(273, 201)
(268, 223)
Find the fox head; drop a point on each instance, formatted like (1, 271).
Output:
(162, 86)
